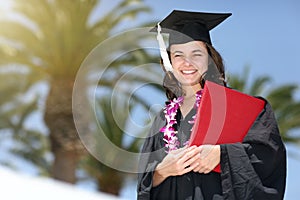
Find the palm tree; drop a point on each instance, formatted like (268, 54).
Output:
(54, 40)
(282, 99)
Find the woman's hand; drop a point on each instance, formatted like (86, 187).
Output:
(177, 162)
(207, 159)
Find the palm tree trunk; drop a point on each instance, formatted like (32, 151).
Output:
(64, 166)
(111, 181)
(65, 144)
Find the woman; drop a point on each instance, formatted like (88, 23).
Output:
(253, 169)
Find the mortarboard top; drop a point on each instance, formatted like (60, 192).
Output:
(185, 26)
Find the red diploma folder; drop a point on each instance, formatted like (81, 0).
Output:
(224, 116)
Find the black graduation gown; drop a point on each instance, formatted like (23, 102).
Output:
(252, 170)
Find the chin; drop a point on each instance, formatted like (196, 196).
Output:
(191, 84)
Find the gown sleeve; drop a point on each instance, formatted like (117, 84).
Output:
(152, 153)
(255, 168)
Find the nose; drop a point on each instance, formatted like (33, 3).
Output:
(187, 61)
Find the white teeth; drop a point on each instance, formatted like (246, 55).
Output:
(188, 71)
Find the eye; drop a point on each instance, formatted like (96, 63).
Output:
(177, 55)
(197, 54)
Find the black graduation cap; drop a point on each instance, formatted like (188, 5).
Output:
(185, 26)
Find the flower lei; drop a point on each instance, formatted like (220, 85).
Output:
(170, 134)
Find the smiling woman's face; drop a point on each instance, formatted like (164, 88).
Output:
(189, 61)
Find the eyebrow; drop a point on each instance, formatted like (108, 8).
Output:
(194, 51)
(177, 51)
(197, 50)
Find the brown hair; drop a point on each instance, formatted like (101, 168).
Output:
(215, 73)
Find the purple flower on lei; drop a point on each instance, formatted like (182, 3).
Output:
(170, 134)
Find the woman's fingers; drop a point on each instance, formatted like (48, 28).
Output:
(207, 159)
(180, 160)
(198, 159)
(189, 158)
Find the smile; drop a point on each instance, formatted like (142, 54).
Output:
(187, 72)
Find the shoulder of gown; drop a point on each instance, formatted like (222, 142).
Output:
(255, 168)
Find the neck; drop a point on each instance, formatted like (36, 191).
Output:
(190, 91)
(189, 98)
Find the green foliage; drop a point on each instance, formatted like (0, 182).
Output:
(114, 128)
(33, 147)
(58, 34)
(16, 106)
(14, 84)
